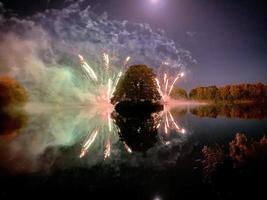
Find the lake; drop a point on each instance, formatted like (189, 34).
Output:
(149, 156)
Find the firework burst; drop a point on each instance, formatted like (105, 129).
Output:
(164, 86)
(104, 82)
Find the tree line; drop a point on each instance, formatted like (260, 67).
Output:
(231, 93)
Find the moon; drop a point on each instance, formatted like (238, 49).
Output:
(154, 1)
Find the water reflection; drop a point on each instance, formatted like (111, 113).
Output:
(84, 137)
(138, 132)
(241, 162)
(136, 152)
(11, 124)
(242, 111)
(52, 134)
(80, 137)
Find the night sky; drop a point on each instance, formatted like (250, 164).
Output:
(228, 38)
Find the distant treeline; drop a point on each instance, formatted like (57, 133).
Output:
(232, 93)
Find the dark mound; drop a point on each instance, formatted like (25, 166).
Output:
(137, 108)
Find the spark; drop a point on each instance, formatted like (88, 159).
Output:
(168, 143)
(167, 121)
(88, 143)
(90, 72)
(81, 58)
(104, 89)
(176, 79)
(167, 90)
(109, 123)
(106, 59)
(166, 129)
(126, 61)
(107, 149)
(128, 149)
(116, 82)
(165, 77)
(176, 126)
(159, 88)
(166, 86)
(109, 89)
(128, 58)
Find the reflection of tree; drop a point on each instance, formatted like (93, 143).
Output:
(139, 132)
(11, 92)
(54, 138)
(11, 123)
(243, 111)
(205, 111)
(213, 157)
(178, 111)
(241, 153)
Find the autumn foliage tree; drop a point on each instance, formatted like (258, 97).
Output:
(138, 84)
(242, 92)
(178, 93)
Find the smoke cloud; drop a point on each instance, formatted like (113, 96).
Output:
(41, 52)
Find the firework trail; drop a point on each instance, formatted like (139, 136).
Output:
(175, 80)
(88, 143)
(88, 70)
(168, 123)
(125, 64)
(167, 89)
(128, 149)
(107, 151)
(106, 60)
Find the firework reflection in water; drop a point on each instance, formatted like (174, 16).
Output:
(105, 85)
(165, 88)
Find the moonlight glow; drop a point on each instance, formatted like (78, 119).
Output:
(154, 1)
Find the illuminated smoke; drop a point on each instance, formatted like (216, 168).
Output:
(41, 52)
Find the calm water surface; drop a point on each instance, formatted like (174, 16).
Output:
(149, 156)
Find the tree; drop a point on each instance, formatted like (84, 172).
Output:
(212, 93)
(193, 94)
(224, 93)
(178, 93)
(138, 84)
(235, 91)
(231, 93)
(265, 92)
